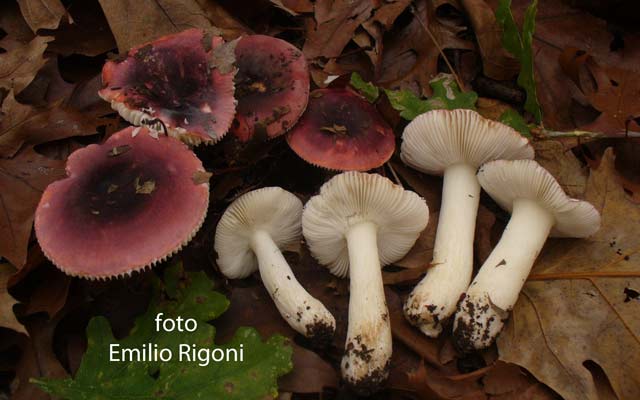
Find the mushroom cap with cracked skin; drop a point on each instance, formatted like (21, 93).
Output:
(342, 131)
(354, 197)
(271, 209)
(126, 204)
(272, 87)
(170, 80)
(438, 139)
(506, 181)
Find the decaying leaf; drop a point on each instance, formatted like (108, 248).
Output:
(7, 317)
(42, 14)
(19, 66)
(572, 311)
(22, 181)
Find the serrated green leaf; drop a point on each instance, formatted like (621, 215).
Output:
(193, 296)
(446, 95)
(520, 45)
(367, 89)
(514, 119)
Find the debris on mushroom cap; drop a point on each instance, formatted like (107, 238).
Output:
(272, 209)
(272, 86)
(126, 204)
(353, 197)
(506, 181)
(440, 138)
(170, 86)
(342, 131)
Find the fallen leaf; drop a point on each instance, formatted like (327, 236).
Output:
(311, 374)
(13, 24)
(50, 293)
(42, 14)
(410, 59)
(23, 125)
(572, 310)
(22, 181)
(613, 91)
(134, 22)
(20, 65)
(497, 63)
(294, 7)
(7, 317)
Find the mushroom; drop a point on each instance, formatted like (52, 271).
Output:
(357, 223)
(538, 207)
(342, 131)
(250, 235)
(454, 144)
(179, 85)
(272, 86)
(126, 204)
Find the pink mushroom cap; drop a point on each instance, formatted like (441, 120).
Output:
(169, 85)
(126, 204)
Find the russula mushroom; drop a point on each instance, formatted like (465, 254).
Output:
(356, 224)
(342, 131)
(126, 204)
(180, 85)
(250, 235)
(539, 208)
(272, 87)
(454, 144)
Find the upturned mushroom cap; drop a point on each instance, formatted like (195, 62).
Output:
(506, 181)
(126, 204)
(271, 209)
(353, 197)
(440, 138)
(342, 131)
(272, 86)
(169, 84)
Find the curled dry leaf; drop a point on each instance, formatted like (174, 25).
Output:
(572, 310)
(42, 14)
(7, 317)
(20, 65)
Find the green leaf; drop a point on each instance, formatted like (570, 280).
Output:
(255, 377)
(446, 95)
(514, 119)
(520, 45)
(367, 89)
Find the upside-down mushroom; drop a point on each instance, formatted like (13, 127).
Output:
(126, 204)
(539, 208)
(250, 235)
(358, 223)
(453, 144)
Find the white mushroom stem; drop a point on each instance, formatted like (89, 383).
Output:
(436, 296)
(368, 346)
(494, 291)
(303, 312)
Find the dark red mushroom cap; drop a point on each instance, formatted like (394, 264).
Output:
(126, 204)
(342, 131)
(168, 85)
(272, 86)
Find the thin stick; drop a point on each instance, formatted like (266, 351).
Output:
(435, 41)
(395, 176)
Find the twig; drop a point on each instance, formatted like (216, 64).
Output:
(395, 176)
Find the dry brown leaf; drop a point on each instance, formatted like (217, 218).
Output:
(613, 91)
(573, 308)
(497, 62)
(7, 317)
(42, 14)
(24, 125)
(134, 22)
(410, 59)
(294, 7)
(22, 181)
(311, 373)
(19, 65)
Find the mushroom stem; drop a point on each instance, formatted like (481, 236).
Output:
(435, 297)
(368, 347)
(303, 312)
(484, 309)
